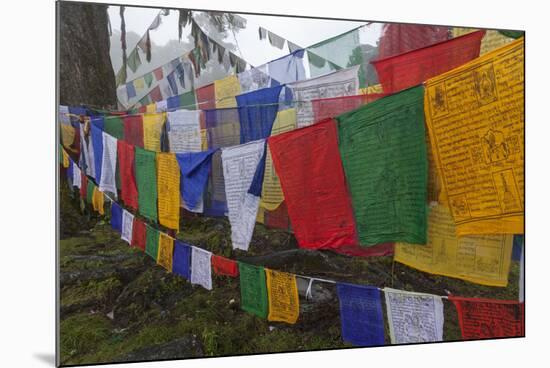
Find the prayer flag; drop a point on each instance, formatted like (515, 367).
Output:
(414, 317)
(383, 151)
(152, 128)
(312, 178)
(152, 242)
(90, 191)
(139, 236)
(206, 98)
(108, 165)
(488, 318)
(114, 126)
(224, 266)
(133, 130)
(253, 289)
(287, 69)
(284, 305)
(239, 165)
(116, 217)
(324, 108)
(483, 259)
(257, 112)
(127, 226)
(400, 38)
(361, 314)
(182, 259)
(166, 250)
(475, 117)
(158, 73)
(98, 201)
(77, 176)
(128, 191)
(184, 130)
(406, 70)
(225, 90)
(201, 269)
(194, 169)
(168, 186)
(97, 142)
(83, 185)
(146, 179)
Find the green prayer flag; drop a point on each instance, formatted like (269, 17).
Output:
(187, 100)
(253, 289)
(148, 79)
(90, 191)
(146, 179)
(114, 126)
(512, 34)
(383, 150)
(152, 242)
(134, 61)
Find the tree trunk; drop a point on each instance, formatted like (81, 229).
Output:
(86, 75)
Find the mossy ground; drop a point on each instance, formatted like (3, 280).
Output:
(118, 305)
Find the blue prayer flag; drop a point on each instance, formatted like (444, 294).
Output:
(258, 180)
(97, 142)
(194, 168)
(181, 262)
(361, 314)
(257, 112)
(172, 102)
(116, 217)
(78, 110)
(130, 90)
(287, 69)
(172, 83)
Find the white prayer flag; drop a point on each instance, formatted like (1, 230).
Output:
(161, 105)
(127, 226)
(201, 269)
(184, 131)
(108, 165)
(414, 317)
(77, 178)
(239, 165)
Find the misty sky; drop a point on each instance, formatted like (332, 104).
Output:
(301, 31)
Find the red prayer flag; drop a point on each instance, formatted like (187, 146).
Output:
(309, 167)
(83, 185)
(206, 97)
(224, 266)
(400, 38)
(133, 130)
(406, 70)
(488, 318)
(155, 94)
(278, 218)
(139, 235)
(128, 190)
(158, 73)
(324, 108)
(142, 109)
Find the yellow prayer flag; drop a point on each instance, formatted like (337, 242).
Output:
(65, 158)
(272, 195)
(260, 217)
(492, 39)
(282, 291)
(151, 108)
(98, 201)
(475, 118)
(483, 259)
(225, 91)
(165, 251)
(152, 129)
(139, 84)
(67, 135)
(168, 187)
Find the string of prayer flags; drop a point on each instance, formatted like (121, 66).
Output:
(475, 118)
(224, 266)
(165, 251)
(151, 241)
(184, 131)
(114, 126)
(257, 112)
(127, 226)
(361, 314)
(139, 234)
(98, 201)
(253, 289)
(488, 318)
(168, 186)
(339, 83)
(389, 189)
(272, 194)
(128, 191)
(201, 270)
(225, 90)
(282, 290)
(116, 217)
(406, 70)
(483, 259)
(146, 179)
(324, 108)
(152, 128)
(194, 168)
(133, 130)
(312, 178)
(182, 259)
(107, 182)
(239, 166)
(414, 317)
